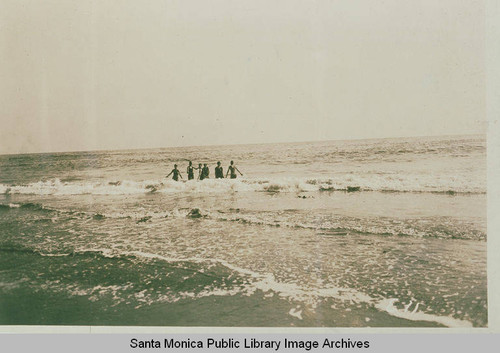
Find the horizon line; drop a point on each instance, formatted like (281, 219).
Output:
(238, 144)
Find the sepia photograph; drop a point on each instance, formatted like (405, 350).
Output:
(243, 163)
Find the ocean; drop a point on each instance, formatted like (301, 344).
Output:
(360, 233)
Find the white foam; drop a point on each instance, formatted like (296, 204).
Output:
(372, 182)
(4, 189)
(388, 306)
(54, 255)
(310, 296)
(295, 312)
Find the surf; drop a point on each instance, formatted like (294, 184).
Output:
(388, 183)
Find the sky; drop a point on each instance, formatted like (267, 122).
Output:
(120, 74)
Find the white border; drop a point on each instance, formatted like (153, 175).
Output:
(492, 48)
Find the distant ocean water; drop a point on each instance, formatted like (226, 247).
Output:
(387, 232)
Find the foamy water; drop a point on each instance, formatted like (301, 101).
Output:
(351, 233)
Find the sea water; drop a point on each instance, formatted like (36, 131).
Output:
(387, 232)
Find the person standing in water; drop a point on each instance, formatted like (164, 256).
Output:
(219, 172)
(176, 173)
(205, 172)
(232, 168)
(200, 176)
(190, 171)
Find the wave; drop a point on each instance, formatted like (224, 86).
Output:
(435, 227)
(344, 183)
(302, 296)
(309, 297)
(432, 227)
(25, 206)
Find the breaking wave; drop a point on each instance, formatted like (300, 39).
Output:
(346, 183)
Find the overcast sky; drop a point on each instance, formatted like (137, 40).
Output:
(111, 74)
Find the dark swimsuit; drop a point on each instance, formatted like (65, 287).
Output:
(190, 171)
(219, 174)
(204, 172)
(233, 172)
(176, 174)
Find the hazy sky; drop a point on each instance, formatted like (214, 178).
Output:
(84, 75)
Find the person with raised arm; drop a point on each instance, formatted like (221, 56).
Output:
(176, 173)
(232, 168)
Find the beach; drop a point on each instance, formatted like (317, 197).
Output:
(359, 233)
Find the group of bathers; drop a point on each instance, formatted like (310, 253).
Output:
(204, 171)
